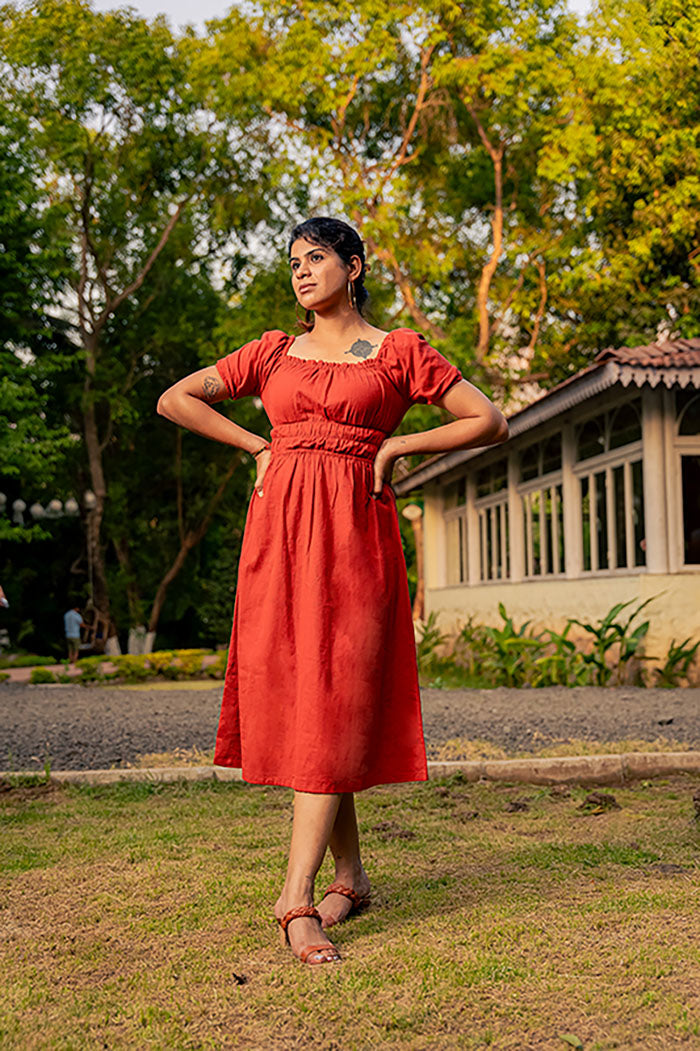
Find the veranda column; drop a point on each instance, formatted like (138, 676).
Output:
(571, 493)
(434, 549)
(516, 537)
(655, 516)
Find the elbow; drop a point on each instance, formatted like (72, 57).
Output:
(162, 406)
(497, 430)
(503, 431)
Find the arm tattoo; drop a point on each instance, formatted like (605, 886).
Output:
(361, 348)
(210, 388)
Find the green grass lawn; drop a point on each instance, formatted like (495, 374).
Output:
(140, 916)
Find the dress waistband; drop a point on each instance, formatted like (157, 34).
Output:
(327, 436)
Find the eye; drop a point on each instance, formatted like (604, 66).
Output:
(317, 257)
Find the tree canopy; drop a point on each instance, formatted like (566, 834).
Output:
(526, 185)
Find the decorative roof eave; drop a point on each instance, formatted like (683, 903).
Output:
(566, 395)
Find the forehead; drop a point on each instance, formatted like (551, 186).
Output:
(302, 247)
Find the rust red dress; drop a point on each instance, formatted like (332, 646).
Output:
(321, 690)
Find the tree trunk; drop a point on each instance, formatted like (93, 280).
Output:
(98, 579)
(190, 540)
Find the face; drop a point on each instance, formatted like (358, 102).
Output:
(319, 276)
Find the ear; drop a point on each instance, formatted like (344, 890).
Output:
(354, 267)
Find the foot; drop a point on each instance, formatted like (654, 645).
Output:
(305, 931)
(337, 907)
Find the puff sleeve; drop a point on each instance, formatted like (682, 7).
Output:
(245, 370)
(428, 374)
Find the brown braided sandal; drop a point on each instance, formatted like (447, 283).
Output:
(329, 952)
(358, 903)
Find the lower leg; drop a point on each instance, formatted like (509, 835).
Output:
(345, 846)
(314, 817)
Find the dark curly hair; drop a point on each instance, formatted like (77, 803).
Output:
(343, 239)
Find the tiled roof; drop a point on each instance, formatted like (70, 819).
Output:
(671, 354)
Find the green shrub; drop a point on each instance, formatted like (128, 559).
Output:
(25, 660)
(189, 665)
(677, 665)
(609, 632)
(133, 667)
(41, 675)
(217, 668)
(160, 661)
(90, 669)
(4, 676)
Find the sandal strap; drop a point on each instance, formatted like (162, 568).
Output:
(294, 914)
(326, 949)
(347, 892)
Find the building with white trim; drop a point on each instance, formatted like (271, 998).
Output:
(594, 499)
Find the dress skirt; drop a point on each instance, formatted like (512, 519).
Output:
(321, 690)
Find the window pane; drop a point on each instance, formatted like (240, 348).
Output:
(640, 557)
(496, 519)
(507, 570)
(551, 454)
(591, 439)
(499, 475)
(690, 472)
(453, 562)
(462, 566)
(620, 532)
(560, 517)
(489, 544)
(586, 523)
(536, 538)
(482, 545)
(549, 537)
(601, 520)
(690, 420)
(526, 537)
(626, 425)
(483, 481)
(530, 463)
(456, 493)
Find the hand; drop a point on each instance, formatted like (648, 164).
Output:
(383, 465)
(262, 462)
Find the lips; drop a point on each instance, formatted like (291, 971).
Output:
(306, 288)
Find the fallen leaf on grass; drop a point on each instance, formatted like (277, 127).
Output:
(239, 979)
(571, 1039)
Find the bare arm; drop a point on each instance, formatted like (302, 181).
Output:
(478, 423)
(189, 402)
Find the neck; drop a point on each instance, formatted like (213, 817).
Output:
(336, 324)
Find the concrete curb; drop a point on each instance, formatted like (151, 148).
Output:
(581, 770)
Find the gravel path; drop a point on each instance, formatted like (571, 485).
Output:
(83, 728)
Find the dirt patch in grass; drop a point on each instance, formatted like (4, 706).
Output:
(461, 748)
(141, 915)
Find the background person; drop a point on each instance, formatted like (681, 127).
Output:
(73, 622)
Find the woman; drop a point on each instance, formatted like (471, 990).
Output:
(321, 692)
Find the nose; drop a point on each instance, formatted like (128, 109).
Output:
(302, 270)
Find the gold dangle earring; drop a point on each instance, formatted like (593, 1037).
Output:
(352, 299)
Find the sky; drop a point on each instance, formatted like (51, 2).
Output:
(180, 12)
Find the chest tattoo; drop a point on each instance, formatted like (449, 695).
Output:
(361, 348)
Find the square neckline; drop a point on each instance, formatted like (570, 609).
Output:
(324, 361)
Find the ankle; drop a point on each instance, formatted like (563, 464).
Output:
(298, 892)
(350, 873)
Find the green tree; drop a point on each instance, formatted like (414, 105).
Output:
(140, 177)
